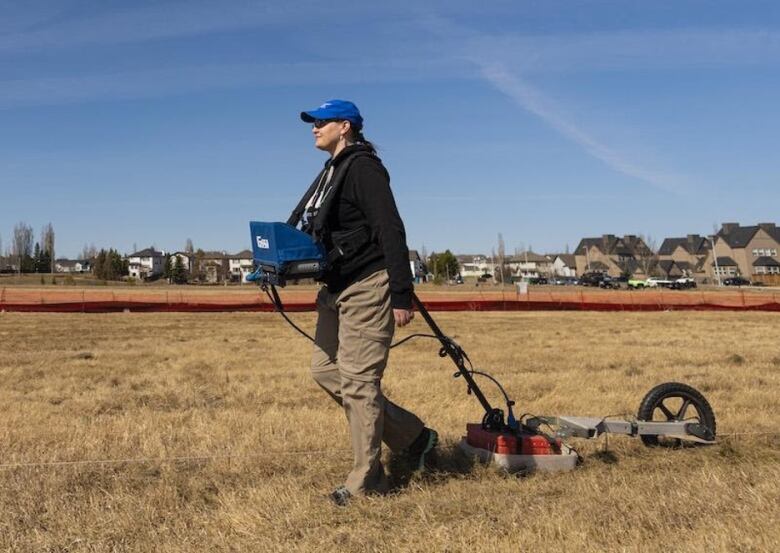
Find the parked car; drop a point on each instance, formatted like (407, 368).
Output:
(591, 279)
(609, 282)
(537, 280)
(736, 281)
(564, 281)
(655, 282)
(636, 283)
(683, 283)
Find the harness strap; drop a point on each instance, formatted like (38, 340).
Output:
(339, 175)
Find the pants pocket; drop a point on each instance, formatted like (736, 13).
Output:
(365, 356)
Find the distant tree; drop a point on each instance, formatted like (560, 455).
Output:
(36, 256)
(168, 268)
(119, 265)
(41, 260)
(188, 247)
(501, 257)
(109, 265)
(23, 247)
(99, 265)
(47, 246)
(179, 274)
(645, 253)
(198, 266)
(89, 253)
(444, 265)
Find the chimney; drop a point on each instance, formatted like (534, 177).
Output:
(727, 228)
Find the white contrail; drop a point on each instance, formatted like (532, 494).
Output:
(532, 100)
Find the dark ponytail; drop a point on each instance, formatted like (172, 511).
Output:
(360, 139)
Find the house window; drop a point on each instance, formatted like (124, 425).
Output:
(774, 270)
(760, 270)
(755, 252)
(773, 252)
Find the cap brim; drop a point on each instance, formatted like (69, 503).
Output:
(309, 116)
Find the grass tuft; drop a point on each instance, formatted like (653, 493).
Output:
(735, 359)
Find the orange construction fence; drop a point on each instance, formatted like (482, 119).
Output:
(97, 300)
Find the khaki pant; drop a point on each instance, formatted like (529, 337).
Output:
(354, 331)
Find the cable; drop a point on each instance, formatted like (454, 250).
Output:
(489, 377)
(407, 338)
(459, 355)
(280, 310)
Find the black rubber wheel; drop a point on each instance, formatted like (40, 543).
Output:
(674, 401)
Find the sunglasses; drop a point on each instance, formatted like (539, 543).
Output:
(319, 123)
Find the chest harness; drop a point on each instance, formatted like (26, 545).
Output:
(314, 208)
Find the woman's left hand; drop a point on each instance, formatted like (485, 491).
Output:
(403, 316)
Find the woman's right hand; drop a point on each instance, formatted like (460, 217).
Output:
(403, 316)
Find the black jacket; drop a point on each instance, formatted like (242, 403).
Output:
(365, 199)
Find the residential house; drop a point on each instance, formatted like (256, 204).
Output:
(474, 266)
(564, 265)
(72, 266)
(750, 251)
(678, 257)
(186, 260)
(615, 256)
(417, 266)
(529, 265)
(211, 267)
(241, 265)
(146, 264)
(7, 265)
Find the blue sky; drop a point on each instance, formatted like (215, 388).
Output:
(139, 123)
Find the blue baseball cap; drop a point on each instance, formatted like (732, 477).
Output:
(335, 109)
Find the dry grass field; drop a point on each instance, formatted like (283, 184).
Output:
(226, 444)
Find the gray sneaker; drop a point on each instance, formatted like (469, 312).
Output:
(422, 446)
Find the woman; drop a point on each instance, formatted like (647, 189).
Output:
(367, 290)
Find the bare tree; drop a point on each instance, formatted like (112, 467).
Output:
(22, 243)
(47, 243)
(188, 247)
(645, 253)
(501, 256)
(89, 252)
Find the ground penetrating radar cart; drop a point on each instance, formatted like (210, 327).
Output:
(670, 414)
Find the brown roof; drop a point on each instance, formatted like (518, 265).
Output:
(725, 262)
(765, 261)
(567, 258)
(693, 244)
(610, 244)
(737, 236)
(525, 257)
(243, 254)
(148, 252)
